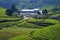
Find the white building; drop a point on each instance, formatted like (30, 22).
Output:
(29, 12)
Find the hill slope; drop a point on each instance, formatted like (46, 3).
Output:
(2, 11)
(47, 33)
(28, 3)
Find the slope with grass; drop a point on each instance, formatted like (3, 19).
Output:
(31, 29)
(23, 28)
(49, 33)
(46, 33)
(10, 32)
(2, 11)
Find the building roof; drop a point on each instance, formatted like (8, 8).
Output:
(36, 9)
(29, 9)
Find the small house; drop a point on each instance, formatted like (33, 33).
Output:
(29, 12)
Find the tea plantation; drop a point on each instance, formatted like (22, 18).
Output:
(13, 28)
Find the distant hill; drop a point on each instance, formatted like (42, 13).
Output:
(29, 3)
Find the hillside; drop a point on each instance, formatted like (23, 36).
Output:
(29, 3)
(2, 11)
(16, 28)
(47, 33)
(30, 28)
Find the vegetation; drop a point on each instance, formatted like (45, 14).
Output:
(7, 33)
(11, 11)
(13, 28)
(21, 29)
(47, 33)
(2, 11)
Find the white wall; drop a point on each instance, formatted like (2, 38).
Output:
(25, 14)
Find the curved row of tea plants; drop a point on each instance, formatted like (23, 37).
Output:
(45, 33)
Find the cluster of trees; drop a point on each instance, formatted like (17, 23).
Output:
(13, 10)
(56, 9)
(45, 12)
(10, 11)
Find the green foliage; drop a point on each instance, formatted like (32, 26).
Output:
(10, 18)
(22, 37)
(25, 24)
(23, 28)
(58, 15)
(49, 33)
(7, 33)
(8, 22)
(56, 9)
(44, 20)
(46, 33)
(2, 11)
(3, 14)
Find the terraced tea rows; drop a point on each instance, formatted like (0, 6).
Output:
(47, 33)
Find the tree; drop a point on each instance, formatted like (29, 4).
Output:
(13, 7)
(45, 12)
(9, 12)
(56, 9)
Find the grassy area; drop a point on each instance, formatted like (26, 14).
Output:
(9, 22)
(44, 20)
(31, 23)
(49, 33)
(9, 18)
(10, 32)
(21, 29)
(2, 11)
(15, 29)
(45, 33)
(57, 14)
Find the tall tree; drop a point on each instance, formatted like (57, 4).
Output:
(13, 7)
